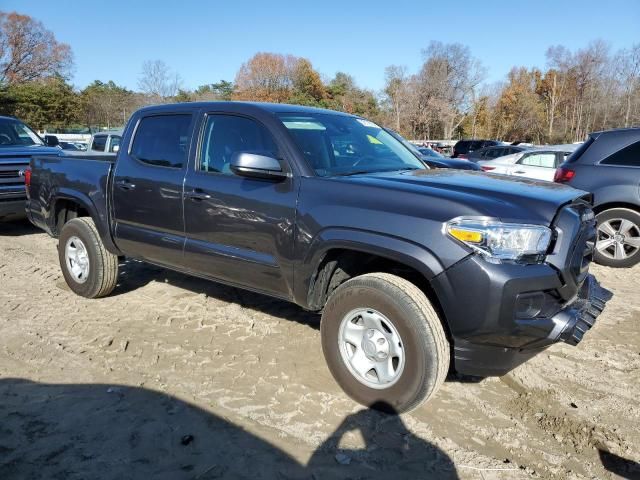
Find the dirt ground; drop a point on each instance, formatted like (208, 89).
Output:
(172, 377)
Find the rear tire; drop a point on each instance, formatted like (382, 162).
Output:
(88, 268)
(388, 322)
(618, 242)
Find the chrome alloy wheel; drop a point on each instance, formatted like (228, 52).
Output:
(371, 348)
(77, 259)
(618, 239)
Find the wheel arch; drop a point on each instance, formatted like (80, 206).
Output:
(341, 259)
(72, 204)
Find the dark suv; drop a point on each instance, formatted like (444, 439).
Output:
(495, 151)
(463, 147)
(608, 166)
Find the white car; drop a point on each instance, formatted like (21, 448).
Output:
(538, 163)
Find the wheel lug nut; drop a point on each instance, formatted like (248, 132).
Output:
(381, 341)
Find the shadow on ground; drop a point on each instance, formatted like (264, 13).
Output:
(18, 228)
(134, 274)
(101, 431)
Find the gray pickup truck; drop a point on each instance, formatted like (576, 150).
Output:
(18, 143)
(410, 267)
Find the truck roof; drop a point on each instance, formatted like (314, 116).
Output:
(250, 106)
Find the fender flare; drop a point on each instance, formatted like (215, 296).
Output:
(386, 246)
(100, 219)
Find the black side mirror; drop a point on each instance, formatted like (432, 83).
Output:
(255, 165)
(51, 141)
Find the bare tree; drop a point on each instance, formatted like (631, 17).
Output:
(449, 77)
(28, 51)
(157, 81)
(628, 75)
(396, 91)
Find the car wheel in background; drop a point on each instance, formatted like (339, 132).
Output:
(618, 240)
(88, 268)
(384, 342)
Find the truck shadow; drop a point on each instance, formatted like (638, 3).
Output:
(18, 228)
(135, 274)
(101, 431)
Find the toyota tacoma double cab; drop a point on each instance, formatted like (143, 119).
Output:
(411, 268)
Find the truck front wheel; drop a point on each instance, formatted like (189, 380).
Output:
(384, 342)
(88, 268)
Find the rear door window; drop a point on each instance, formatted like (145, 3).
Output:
(163, 140)
(546, 160)
(99, 143)
(629, 156)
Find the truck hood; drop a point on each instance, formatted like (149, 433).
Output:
(499, 196)
(28, 151)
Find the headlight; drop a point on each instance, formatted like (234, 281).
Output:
(501, 241)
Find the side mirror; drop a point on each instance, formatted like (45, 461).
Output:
(51, 141)
(115, 148)
(254, 165)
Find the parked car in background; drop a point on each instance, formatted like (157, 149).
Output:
(107, 142)
(18, 143)
(539, 163)
(490, 153)
(608, 166)
(410, 267)
(432, 158)
(72, 146)
(462, 148)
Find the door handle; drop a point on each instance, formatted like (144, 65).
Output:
(519, 171)
(198, 195)
(125, 184)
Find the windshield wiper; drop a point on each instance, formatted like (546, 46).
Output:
(360, 172)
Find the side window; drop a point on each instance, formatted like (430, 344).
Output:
(547, 160)
(227, 135)
(162, 140)
(99, 143)
(629, 156)
(115, 142)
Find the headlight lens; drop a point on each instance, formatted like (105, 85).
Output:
(501, 241)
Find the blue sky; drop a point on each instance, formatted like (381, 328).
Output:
(205, 41)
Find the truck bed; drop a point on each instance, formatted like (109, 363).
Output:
(83, 179)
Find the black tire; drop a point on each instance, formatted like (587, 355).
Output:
(103, 265)
(426, 348)
(614, 215)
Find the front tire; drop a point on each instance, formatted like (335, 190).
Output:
(618, 241)
(88, 268)
(384, 343)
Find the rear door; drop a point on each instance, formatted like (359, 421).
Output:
(148, 187)
(238, 229)
(538, 165)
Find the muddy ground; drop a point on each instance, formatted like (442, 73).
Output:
(175, 377)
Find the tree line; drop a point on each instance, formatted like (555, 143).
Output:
(589, 89)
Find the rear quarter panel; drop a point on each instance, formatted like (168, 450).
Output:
(83, 180)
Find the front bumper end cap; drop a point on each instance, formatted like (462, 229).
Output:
(582, 314)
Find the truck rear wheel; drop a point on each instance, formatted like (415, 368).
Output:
(384, 342)
(88, 268)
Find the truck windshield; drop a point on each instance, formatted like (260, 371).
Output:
(342, 145)
(14, 133)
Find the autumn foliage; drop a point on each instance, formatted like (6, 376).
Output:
(28, 51)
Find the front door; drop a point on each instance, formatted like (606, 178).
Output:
(238, 229)
(147, 189)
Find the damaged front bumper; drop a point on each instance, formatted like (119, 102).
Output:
(512, 313)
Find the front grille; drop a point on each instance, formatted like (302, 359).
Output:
(10, 173)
